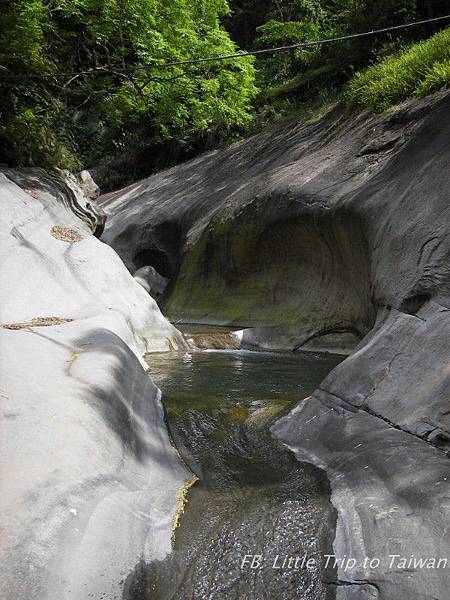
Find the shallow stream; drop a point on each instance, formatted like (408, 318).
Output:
(253, 497)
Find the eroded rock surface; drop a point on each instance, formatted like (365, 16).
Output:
(52, 265)
(324, 234)
(298, 233)
(89, 479)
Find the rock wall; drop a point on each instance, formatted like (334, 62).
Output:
(333, 233)
(301, 232)
(89, 480)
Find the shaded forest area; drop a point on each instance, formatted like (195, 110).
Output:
(85, 83)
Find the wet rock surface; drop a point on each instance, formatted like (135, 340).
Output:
(217, 341)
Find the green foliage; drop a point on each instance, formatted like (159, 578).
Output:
(28, 109)
(362, 15)
(280, 68)
(305, 72)
(35, 139)
(83, 82)
(286, 32)
(415, 71)
(299, 71)
(438, 76)
(90, 71)
(296, 80)
(299, 81)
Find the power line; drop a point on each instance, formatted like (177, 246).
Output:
(306, 44)
(150, 68)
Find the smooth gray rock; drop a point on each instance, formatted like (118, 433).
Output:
(391, 491)
(400, 372)
(149, 278)
(88, 185)
(294, 233)
(357, 592)
(305, 234)
(52, 266)
(89, 479)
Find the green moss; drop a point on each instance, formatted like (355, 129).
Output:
(224, 278)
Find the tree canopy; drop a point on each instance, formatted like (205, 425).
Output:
(86, 82)
(82, 78)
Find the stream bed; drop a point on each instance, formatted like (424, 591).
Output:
(253, 497)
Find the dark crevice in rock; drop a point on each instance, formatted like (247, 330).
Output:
(409, 306)
(154, 258)
(414, 303)
(343, 403)
(425, 245)
(329, 330)
(439, 438)
(438, 442)
(359, 582)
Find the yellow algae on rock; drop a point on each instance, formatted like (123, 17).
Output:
(181, 503)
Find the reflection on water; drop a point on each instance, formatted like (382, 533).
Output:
(253, 496)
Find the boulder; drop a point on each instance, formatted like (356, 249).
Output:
(149, 278)
(88, 185)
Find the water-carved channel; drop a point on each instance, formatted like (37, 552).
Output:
(253, 497)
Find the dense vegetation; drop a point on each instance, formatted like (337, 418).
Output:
(80, 79)
(416, 70)
(85, 82)
(295, 80)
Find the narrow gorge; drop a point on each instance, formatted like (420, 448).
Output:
(271, 319)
